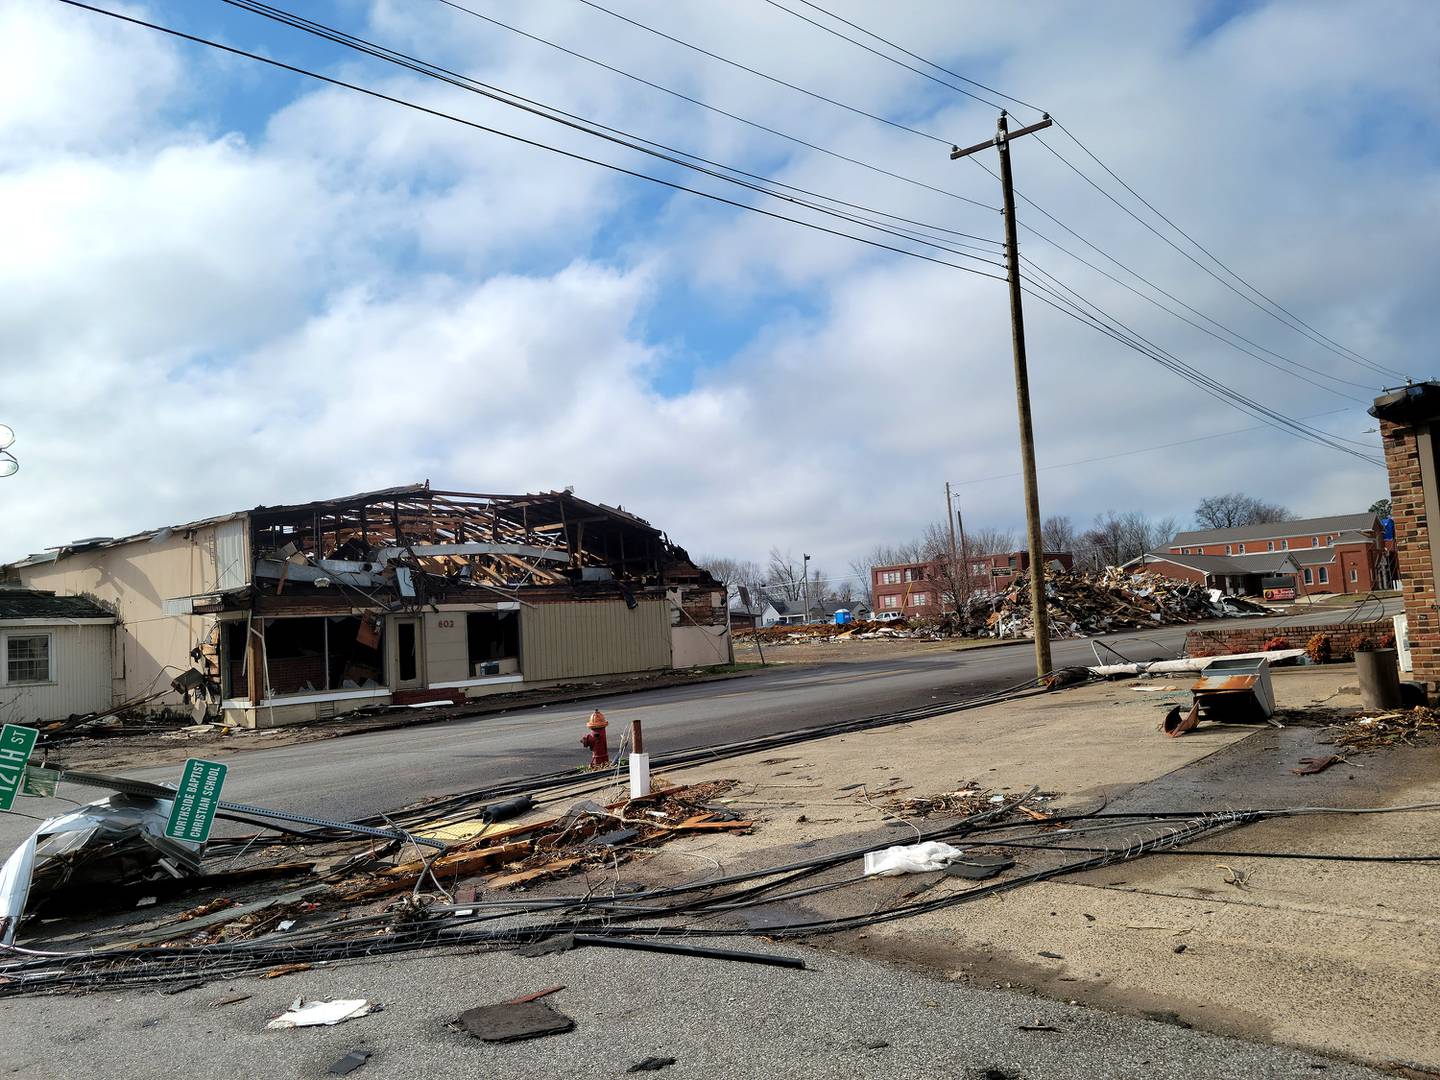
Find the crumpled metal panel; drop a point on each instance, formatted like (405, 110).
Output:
(118, 838)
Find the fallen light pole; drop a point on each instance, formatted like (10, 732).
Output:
(639, 762)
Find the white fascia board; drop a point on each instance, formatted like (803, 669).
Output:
(488, 680)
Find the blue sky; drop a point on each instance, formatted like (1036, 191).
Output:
(291, 292)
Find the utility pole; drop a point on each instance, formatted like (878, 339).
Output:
(954, 565)
(1038, 615)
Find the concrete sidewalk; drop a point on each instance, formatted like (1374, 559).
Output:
(1332, 956)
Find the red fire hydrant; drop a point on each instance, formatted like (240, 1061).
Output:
(595, 741)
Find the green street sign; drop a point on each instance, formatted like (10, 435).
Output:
(16, 742)
(196, 801)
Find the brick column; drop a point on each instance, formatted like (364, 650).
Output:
(1412, 547)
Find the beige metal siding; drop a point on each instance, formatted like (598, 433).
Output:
(79, 674)
(601, 637)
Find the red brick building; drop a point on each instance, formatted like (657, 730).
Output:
(918, 589)
(1344, 553)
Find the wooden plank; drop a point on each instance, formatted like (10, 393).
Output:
(522, 877)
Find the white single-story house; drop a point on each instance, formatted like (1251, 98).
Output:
(55, 656)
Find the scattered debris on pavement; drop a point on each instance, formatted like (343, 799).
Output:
(1406, 727)
(350, 1062)
(514, 1021)
(322, 1013)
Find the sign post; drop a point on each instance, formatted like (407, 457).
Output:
(196, 801)
(16, 743)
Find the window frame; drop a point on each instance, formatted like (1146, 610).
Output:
(52, 677)
(1309, 576)
(1324, 575)
(921, 599)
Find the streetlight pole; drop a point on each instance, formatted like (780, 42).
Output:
(1038, 613)
(805, 572)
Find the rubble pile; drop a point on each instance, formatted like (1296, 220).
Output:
(1081, 603)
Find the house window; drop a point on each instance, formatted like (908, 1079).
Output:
(920, 599)
(1241, 549)
(1324, 576)
(1354, 573)
(1284, 545)
(1269, 545)
(1309, 577)
(1228, 551)
(890, 577)
(891, 601)
(979, 568)
(27, 658)
(1315, 541)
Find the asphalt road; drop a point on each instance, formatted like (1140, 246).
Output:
(844, 1019)
(359, 775)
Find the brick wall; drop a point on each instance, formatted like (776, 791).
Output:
(1412, 548)
(1345, 638)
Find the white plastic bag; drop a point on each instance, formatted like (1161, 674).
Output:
(910, 859)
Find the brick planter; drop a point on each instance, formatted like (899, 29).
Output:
(1345, 638)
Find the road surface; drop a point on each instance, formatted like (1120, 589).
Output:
(359, 775)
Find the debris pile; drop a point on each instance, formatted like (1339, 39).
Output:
(1081, 604)
(1410, 727)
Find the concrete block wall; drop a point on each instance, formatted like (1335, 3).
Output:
(1345, 638)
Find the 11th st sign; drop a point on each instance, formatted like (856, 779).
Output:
(196, 801)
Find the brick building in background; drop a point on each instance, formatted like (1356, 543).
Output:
(920, 589)
(1342, 553)
(1409, 423)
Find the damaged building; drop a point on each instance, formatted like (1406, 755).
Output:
(287, 614)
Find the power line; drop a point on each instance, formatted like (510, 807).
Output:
(379, 95)
(1348, 397)
(1076, 140)
(1292, 325)
(1171, 296)
(883, 56)
(585, 125)
(1294, 322)
(1141, 449)
(907, 52)
(769, 78)
(1193, 375)
(1107, 324)
(729, 115)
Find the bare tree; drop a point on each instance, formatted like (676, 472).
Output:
(1117, 538)
(1236, 509)
(783, 577)
(990, 541)
(736, 574)
(1057, 534)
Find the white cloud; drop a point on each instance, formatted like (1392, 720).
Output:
(352, 295)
